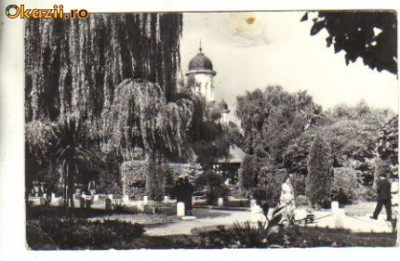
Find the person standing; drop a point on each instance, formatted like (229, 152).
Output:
(287, 201)
(383, 188)
(188, 192)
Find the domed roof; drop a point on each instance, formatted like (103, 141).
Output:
(201, 63)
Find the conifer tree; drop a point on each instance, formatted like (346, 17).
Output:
(320, 174)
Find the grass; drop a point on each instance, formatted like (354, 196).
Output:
(323, 237)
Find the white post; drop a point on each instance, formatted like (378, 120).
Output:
(145, 199)
(220, 202)
(334, 207)
(180, 209)
(253, 205)
(125, 199)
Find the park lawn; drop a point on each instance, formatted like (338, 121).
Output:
(324, 237)
(307, 238)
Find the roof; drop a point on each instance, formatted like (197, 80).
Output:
(201, 63)
(236, 155)
(223, 105)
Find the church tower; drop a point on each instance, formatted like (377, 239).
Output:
(223, 106)
(201, 76)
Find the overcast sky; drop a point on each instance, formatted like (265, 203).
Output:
(275, 48)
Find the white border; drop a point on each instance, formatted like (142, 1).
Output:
(12, 232)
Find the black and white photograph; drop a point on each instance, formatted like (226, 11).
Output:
(211, 130)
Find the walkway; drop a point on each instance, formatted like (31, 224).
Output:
(210, 218)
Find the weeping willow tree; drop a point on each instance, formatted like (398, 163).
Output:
(74, 65)
(141, 116)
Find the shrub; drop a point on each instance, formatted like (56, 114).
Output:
(344, 187)
(249, 171)
(302, 200)
(213, 184)
(319, 178)
(275, 180)
(366, 193)
(259, 194)
(299, 184)
(246, 235)
(80, 233)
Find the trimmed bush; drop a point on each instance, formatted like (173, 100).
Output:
(344, 187)
(302, 200)
(320, 173)
(275, 180)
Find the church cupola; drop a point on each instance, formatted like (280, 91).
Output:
(201, 76)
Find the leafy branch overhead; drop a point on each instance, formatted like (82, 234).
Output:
(370, 35)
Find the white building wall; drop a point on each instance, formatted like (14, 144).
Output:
(206, 83)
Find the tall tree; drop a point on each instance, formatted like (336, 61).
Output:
(320, 172)
(369, 35)
(273, 118)
(142, 117)
(74, 65)
(207, 137)
(71, 148)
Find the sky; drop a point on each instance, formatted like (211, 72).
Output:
(259, 49)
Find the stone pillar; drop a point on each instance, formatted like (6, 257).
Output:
(180, 209)
(220, 202)
(334, 207)
(253, 205)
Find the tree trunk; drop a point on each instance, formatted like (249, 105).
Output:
(154, 178)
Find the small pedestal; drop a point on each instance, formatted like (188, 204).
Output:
(180, 209)
(220, 202)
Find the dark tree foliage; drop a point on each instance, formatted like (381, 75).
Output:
(213, 185)
(369, 35)
(74, 65)
(250, 172)
(351, 132)
(273, 118)
(320, 173)
(388, 141)
(274, 181)
(72, 149)
(207, 137)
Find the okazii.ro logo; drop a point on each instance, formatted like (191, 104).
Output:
(14, 11)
